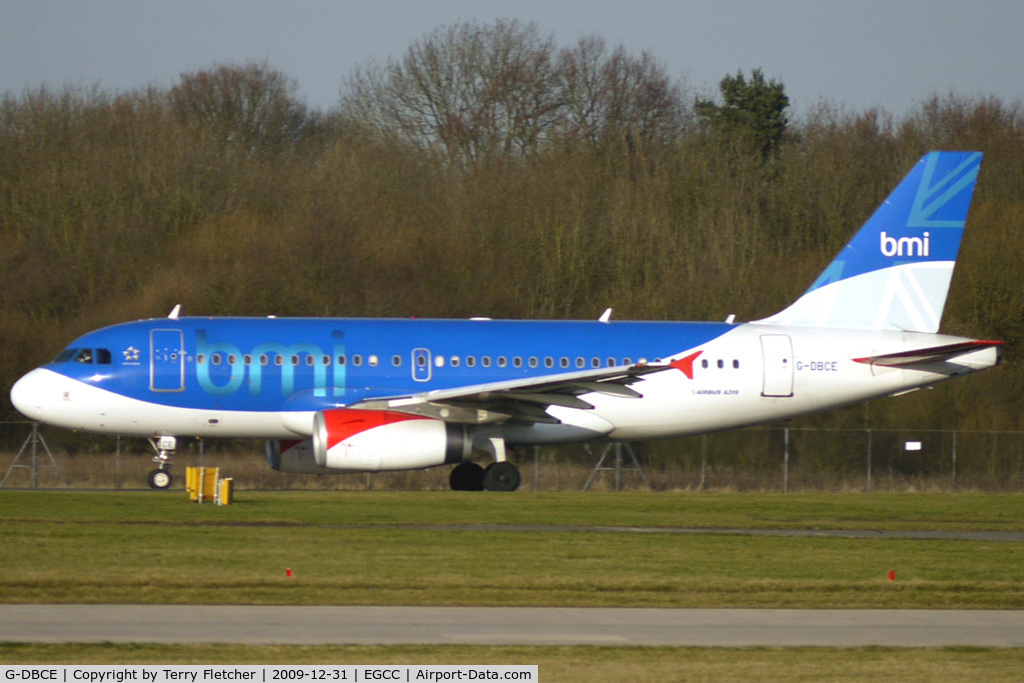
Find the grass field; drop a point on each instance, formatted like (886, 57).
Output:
(420, 548)
(416, 549)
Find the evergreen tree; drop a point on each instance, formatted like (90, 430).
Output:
(756, 108)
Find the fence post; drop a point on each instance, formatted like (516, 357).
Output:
(536, 468)
(869, 461)
(703, 461)
(785, 460)
(35, 455)
(954, 460)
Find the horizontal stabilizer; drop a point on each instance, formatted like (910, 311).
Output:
(932, 354)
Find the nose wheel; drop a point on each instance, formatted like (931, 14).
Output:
(160, 479)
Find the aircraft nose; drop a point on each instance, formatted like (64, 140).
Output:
(33, 393)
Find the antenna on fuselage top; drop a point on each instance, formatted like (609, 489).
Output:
(606, 316)
(173, 315)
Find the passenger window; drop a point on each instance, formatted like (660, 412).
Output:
(533, 361)
(264, 359)
(373, 361)
(279, 360)
(295, 359)
(455, 360)
(517, 362)
(721, 364)
(247, 359)
(325, 360)
(471, 361)
(704, 363)
(502, 361)
(485, 361)
(232, 359)
(396, 361)
(736, 364)
(595, 362)
(103, 356)
(549, 362)
(200, 359)
(215, 359)
(341, 360)
(439, 361)
(309, 359)
(627, 361)
(564, 362)
(580, 362)
(357, 360)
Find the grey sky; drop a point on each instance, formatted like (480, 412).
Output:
(858, 53)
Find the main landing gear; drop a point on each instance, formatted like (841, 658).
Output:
(161, 478)
(500, 475)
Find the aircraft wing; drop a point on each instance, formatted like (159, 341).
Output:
(523, 400)
(932, 354)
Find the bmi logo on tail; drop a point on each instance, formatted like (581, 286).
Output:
(894, 247)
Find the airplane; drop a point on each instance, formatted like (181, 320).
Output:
(337, 395)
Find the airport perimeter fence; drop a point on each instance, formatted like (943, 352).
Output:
(774, 459)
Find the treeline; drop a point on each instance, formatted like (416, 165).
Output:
(484, 172)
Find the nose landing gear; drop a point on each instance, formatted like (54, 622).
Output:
(161, 478)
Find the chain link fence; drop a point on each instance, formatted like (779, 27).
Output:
(757, 459)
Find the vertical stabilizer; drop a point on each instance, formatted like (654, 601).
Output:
(895, 272)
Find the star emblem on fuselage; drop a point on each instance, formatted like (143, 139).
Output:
(131, 354)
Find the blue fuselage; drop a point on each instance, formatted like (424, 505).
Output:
(304, 364)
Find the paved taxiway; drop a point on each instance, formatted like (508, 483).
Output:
(256, 625)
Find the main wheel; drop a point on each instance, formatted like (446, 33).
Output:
(467, 476)
(160, 479)
(501, 476)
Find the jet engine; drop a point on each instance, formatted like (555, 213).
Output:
(350, 440)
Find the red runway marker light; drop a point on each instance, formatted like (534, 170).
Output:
(288, 571)
(892, 575)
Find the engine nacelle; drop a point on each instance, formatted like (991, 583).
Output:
(379, 440)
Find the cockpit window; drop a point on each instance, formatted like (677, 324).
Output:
(84, 356)
(103, 356)
(65, 355)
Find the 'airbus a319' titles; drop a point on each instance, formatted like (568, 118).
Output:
(336, 395)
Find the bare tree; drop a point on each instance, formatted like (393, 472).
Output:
(252, 107)
(612, 95)
(476, 91)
